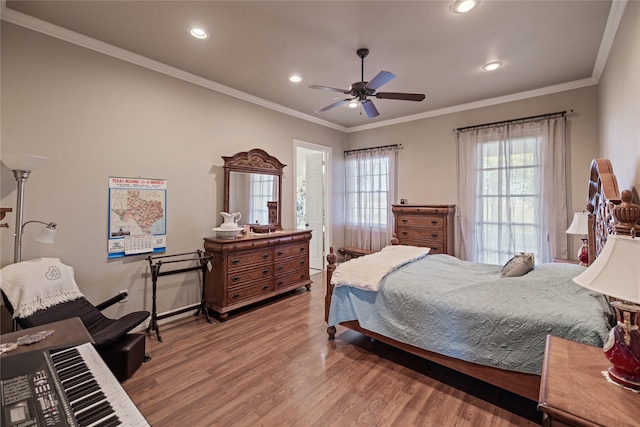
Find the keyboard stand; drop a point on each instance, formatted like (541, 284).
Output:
(156, 263)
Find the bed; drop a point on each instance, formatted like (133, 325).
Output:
(468, 318)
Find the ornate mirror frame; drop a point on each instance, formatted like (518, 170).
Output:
(256, 161)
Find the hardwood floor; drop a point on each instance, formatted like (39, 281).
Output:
(273, 365)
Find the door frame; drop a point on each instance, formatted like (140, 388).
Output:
(327, 188)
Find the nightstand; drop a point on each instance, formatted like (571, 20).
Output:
(573, 391)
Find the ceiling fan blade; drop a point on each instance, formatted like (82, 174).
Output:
(332, 89)
(369, 108)
(401, 96)
(335, 104)
(381, 78)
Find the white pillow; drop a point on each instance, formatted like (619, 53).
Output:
(519, 265)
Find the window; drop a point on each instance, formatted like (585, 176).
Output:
(370, 191)
(508, 196)
(512, 191)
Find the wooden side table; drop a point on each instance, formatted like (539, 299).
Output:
(573, 391)
(66, 333)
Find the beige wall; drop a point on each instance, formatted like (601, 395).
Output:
(619, 95)
(427, 162)
(94, 117)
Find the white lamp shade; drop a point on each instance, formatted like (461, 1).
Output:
(616, 272)
(580, 224)
(22, 162)
(47, 235)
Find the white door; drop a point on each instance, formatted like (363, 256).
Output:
(315, 207)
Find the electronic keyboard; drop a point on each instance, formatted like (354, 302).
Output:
(64, 387)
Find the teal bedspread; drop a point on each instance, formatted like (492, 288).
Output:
(465, 310)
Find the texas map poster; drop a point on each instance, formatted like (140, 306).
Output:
(137, 216)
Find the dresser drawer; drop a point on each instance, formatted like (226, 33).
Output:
(287, 265)
(420, 221)
(421, 234)
(242, 276)
(292, 278)
(248, 291)
(248, 259)
(291, 250)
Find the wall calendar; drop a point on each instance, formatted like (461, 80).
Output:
(137, 216)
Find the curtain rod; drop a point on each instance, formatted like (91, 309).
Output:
(522, 119)
(374, 148)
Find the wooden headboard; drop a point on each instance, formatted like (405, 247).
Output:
(603, 197)
(610, 211)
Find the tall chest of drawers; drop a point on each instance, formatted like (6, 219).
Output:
(252, 268)
(425, 225)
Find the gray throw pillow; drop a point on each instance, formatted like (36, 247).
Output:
(519, 265)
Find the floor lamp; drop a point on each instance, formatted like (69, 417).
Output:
(22, 166)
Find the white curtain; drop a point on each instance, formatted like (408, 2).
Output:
(370, 190)
(263, 189)
(512, 191)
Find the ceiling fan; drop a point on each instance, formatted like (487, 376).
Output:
(361, 90)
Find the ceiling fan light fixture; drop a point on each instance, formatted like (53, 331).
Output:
(295, 79)
(464, 6)
(199, 33)
(491, 66)
(353, 104)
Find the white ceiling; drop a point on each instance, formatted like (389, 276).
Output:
(254, 47)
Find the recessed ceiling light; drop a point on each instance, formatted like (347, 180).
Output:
(199, 33)
(492, 66)
(353, 104)
(295, 79)
(464, 6)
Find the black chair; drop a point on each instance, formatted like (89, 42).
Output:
(123, 352)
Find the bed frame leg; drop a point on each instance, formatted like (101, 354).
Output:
(331, 330)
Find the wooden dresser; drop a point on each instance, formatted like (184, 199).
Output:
(425, 225)
(255, 267)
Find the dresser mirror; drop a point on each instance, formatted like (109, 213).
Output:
(253, 187)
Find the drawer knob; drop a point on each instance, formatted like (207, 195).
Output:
(303, 262)
(434, 235)
(235, 296)
(302, 249)
(303, 276)
(265, 256)
(235, 278)
(404, 220)
(404, 233)
(265, 287)
(434, 222)
(235, 261)
(265, 271)
(280, 267)
(280, 253)
(280, 283)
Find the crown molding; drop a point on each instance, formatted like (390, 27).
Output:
(610, 30)
(38, 25)
(577, 84)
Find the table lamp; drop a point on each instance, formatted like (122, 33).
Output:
(616, 273)
(580, 225)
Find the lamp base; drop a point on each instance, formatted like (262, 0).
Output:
(583, 253)
(623, 379)
(623, 346)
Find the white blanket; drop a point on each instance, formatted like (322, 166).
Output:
(367, 272)
(38, 284)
